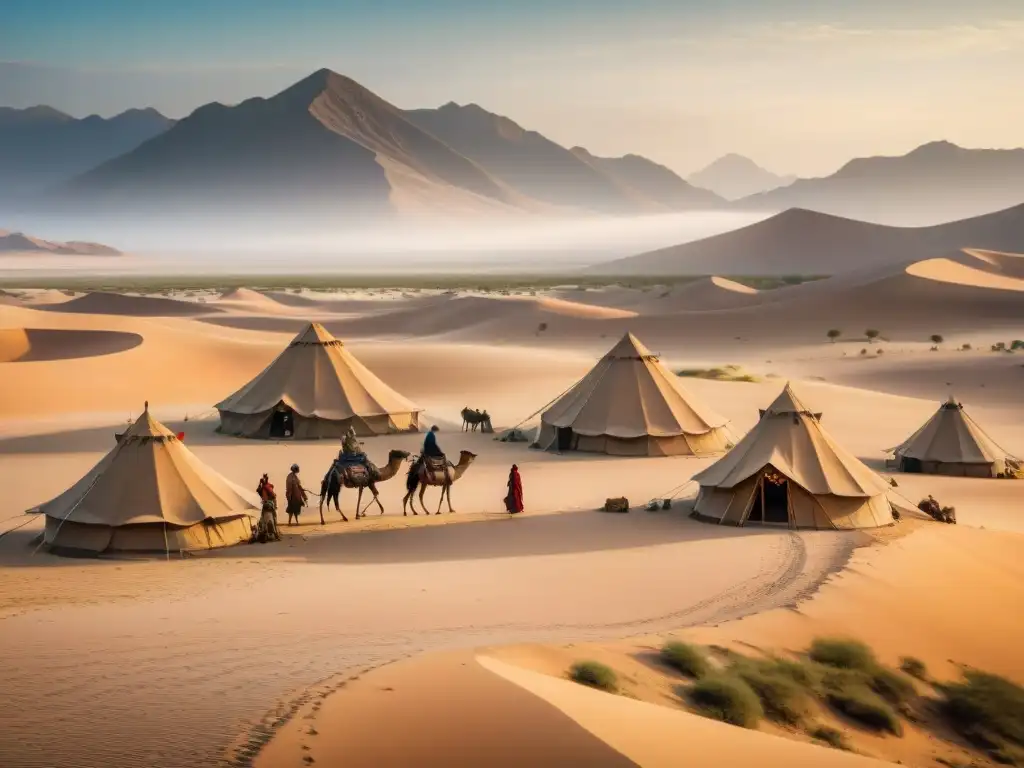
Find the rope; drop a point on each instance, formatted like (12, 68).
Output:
(553, 400)
(20, 525)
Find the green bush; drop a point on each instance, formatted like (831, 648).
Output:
(727, 698)
(782, 698)
(892, 686)
(847, 693)
(843, 654)
(988, 711)
(831, 736)
(594, 674)
(914, 667)
(685, 658)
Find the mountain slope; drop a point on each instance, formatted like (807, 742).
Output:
(18, 242)
(734, 176)
(653, 181)
(41, 147)
(527, 161)
(326, 146)
(801, 242)
(933, 183)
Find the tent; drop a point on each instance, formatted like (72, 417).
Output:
(316, 388)
(631, 405)
(149, 494)
(952, 443)
(789, 471)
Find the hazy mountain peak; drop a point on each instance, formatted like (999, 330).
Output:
(734, 176)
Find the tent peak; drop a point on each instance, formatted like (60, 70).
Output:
(630, 348)
(315, 334)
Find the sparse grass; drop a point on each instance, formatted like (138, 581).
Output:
(724, 373)
(685, 659)
(727, 698)
(831, 736)
(988, 711)
(914, 667)
(783, 699)
(595, 675)
(847, 693)
(843, 653)
(892, 686)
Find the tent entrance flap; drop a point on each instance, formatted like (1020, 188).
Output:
(565, 439)
(776, 501)
(282, 422)
(911, 466)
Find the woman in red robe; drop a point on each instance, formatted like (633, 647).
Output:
(514, 499)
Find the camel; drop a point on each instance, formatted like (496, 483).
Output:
(472, 419)
(421, 475)
(358, 476)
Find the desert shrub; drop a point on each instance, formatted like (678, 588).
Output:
(831, 736)
(988, 711)
(783, 699)
(872, 334)
(858, 702)
(727, 698)
(685, 658)
(542, 327)
(863, 351)
(914, 667)
(843, 653)
(936, 338)
(892, 686)
(966, 347)
(879, 351)
(1017, 344)
(834, 334)
(594, 674)
(999, 346)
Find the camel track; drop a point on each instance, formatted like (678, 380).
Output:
(122, 681)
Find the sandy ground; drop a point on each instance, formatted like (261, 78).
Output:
(225, 646)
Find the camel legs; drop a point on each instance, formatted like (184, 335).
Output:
(423, 490)
(376, 499)
(359, 504)
(446, 491)
(411, 501)
(337, 506)
(321, 508)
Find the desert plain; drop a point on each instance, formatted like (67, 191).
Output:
(445, 640)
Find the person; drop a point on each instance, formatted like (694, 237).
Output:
(514, 498)
(430, 446)
(266, 528)
(295, 494)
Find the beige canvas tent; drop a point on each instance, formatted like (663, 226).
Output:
(316, 388)
(631, 405)
(952, 443)
(789, 471)
(149, 494)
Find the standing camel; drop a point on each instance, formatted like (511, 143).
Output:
(425, 472)
(472, 419)
(358, 476)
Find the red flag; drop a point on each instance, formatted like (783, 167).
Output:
(181, 437)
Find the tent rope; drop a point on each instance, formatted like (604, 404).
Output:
(553, 400)
(20, 525)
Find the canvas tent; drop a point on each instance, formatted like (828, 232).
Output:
(789, 471)
(316, 388)
(631, 405)
(951, 443)
(149, 494)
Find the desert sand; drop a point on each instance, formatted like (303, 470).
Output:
(236, 647)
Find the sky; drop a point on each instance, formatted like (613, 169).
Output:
(800, 86)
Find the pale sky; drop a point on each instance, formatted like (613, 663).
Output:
(800, 86)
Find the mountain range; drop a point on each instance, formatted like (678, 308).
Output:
(18, 242)
(327, 150)
(41, 147)
(935, 182)
(802, 242)
(734, 176)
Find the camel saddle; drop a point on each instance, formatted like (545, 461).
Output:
(356, 474)
(435, 468)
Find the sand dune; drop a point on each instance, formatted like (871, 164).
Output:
(949, 271)
(24, 345)
(1010, 264)
(101, 303)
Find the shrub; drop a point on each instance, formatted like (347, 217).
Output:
(966, 347)
(863, 351)
(843, 654)
(879, 351)
(685, 659)
(872, 334)
(936, 338)
(914, 667)
(594, 674)
(860, 703)
(892, 686)
(987, 710)
(834, 334)
(831, 736)
(782, 698)
(727, 698)
(542, 327)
